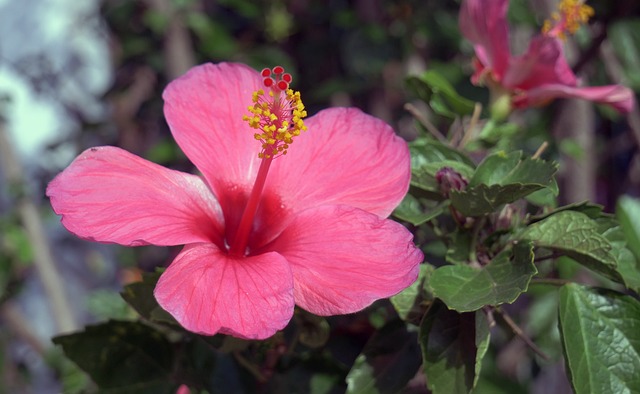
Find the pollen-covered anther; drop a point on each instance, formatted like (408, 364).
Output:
(570, 16)
(276, 115)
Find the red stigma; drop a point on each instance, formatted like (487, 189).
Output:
(282, 85)
(280, 80)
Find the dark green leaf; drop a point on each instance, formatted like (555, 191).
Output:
(140, 296)
(601, 339)
(389, 360)
(435, 90)
(314, 330)
(408, 302)
(575, 235)
(466, 288)
(453, 346)
(483, 199)
(122, 356)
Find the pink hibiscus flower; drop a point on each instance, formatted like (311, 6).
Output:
(540, 74)
(312, 233)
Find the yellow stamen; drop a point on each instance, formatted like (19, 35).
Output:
(278, 118)
(570, 16)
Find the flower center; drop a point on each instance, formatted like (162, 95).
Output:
(277, 116)
(570, 16)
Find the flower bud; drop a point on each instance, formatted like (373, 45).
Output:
(449, 179)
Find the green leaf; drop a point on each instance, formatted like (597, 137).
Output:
(501, 179)
(628, 214)
(453, 346)
(575, 235)
(460, 248)
(483, 199)
(140, 296)
(122, 356)
(588, 208)
(624, 36)
(425, 176)
(435, 90)
(408, 302)
(466, 288)
(314, 331)
(429, 156)
(628, 265)
(512, 168)
(412, 211)
(389, 360)
(601, 340)
(425, 150)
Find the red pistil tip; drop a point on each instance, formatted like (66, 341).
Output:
(276, 78)
(276, 113)
(282, 85)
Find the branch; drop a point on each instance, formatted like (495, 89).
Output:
(425, 122)
(518, 331)
(43, 258)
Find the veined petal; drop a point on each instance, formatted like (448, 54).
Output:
(110, 195)
(484, 23)
(346, 157)
(209, 292)
(619, 97)
(344, 258)
(204, 109)
(543, 63)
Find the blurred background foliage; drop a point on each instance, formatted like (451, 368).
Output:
(341, 53)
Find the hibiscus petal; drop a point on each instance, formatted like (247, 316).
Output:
(110, 195)
(346, 157)
(344, 258)
(619, 97)
(204, 109)
(542, 63)
(207, 292)
(484, 23)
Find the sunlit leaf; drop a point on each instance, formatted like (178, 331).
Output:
(575, 235)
